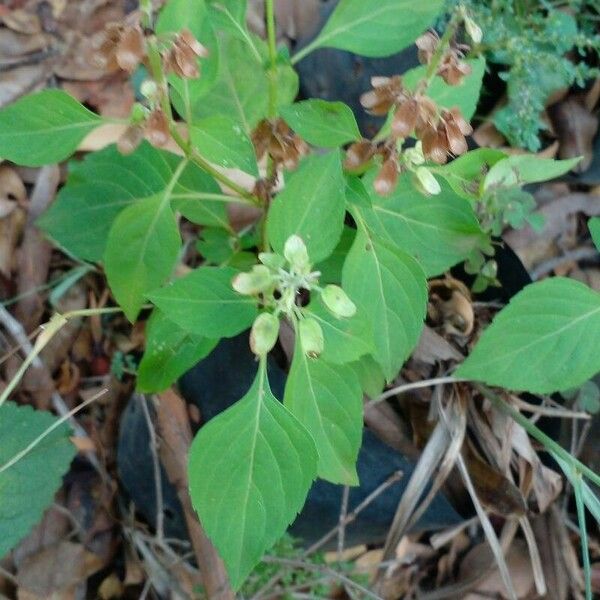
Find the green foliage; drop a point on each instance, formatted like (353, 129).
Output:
(107, 182)
(299, 208)
(390, 288)
(540, 49)
(377, 29)
(594, 227)
(340, 251)
(149, 231)
(327, 399)
(44, 128)
(439, 231)
(204, 303)
(170, 352)
(543, 341)
(27, 486)
(322, 123)
(222, 141)
(247, 508)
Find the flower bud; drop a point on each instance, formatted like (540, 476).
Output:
(149, 89)
(337, 301)
(138, 113)
(427, 181)
(157, 128)
(311, 337)
(271, 260)
(263, 334)
(296, 253)
(249, 284)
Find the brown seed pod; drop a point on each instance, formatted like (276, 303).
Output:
(435, 144)
(131, 139)
(456, 116)
(157, 128)
(405, 118)
(456, 140)
(453, 70)
(426, 45)
(386, 92)
(359, 154)
(386, 179)
(131, 49)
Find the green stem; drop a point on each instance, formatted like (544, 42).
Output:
(158, 74)
(146, 13)
(438, 55)
(272, 74)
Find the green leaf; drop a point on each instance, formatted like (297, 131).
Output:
(229, 14)
(370, 375)
(250, 469)
(465, 95)
(322, 123)
(520, 169)
(312, 205)
(376, 28)
(241, 91)
(389, 287)
(594, 227)
(193, 15)
(106, 182)
(327, 400)
(44, 128)
(204, 303)
(28, 486)
(465, 173)
(222, 141)
(331, 267)
(438, 231)
(170, 352)
(545, 340)
(346, 340)
(141, 251)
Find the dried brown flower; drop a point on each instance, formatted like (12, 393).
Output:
(386, 179)
(358, 154)
(121, 47)
(279, 141)
(386, 92)
(452, 69)
(435, 144)
(405, 118)
(182, 57)
(427, 45)
(157, 128)
(131, 139)
(131, 49)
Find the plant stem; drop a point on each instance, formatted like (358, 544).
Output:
(438, 55)
(272, 73)
(156, 69)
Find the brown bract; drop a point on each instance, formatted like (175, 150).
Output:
(121, 47)
(386, 179)
(275, 138)
(386, 92)
(182, 57)
(359, 154)
(157, 128)
(426, 46)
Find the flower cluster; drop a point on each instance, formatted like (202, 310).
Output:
(278, 283)
(126, 47)
(275, 138)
